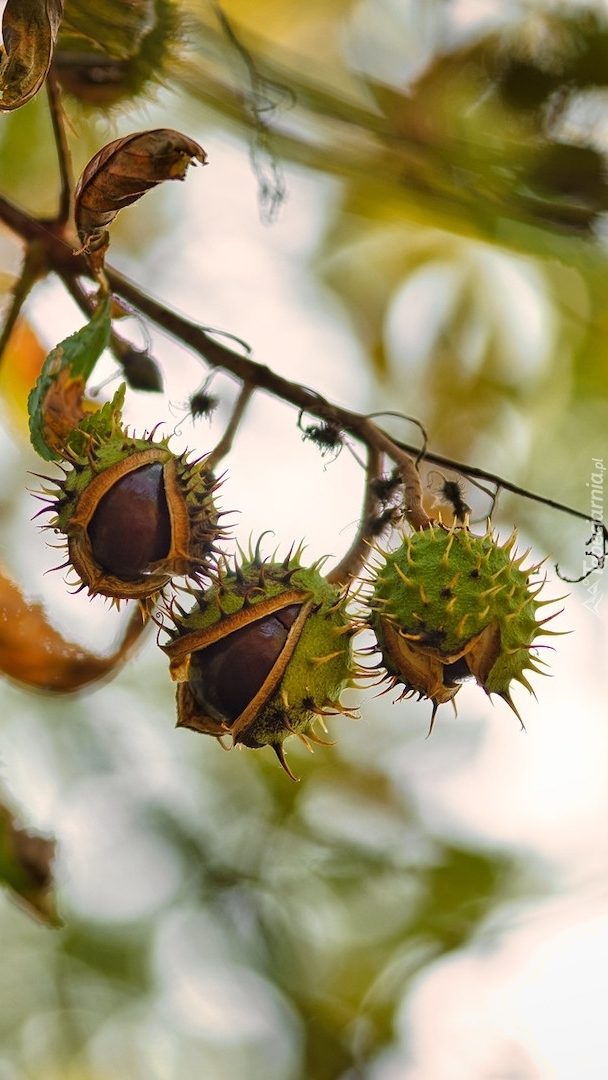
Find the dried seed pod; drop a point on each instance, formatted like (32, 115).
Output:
(112, 25)
(263, 653)
(103, 61)
(135, 515)
(29, 31)
(120, 173)
(448, 605)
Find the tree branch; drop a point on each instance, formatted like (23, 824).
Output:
(60, 258)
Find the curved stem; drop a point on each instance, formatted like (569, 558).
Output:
(474, 472)
(61, 144)
(224, 446)
(129, 359)
(32, 270)
(61, 258)
(263, 378)
(217, 355)
(410, 477)
(350, 566)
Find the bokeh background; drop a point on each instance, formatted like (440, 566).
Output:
(404, 208)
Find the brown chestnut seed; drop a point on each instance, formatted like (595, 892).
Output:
(131, 527)
(226, 676)
(264, 652)
(135, 515)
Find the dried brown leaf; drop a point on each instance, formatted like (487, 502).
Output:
(121, 173)
(34, 653)
(29, 31)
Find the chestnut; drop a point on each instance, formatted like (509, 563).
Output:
(263, 654)
(135, 515)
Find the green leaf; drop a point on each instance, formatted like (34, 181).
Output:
(55, 404)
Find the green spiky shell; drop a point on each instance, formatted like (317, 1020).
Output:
(116, 51)
(304, 687)
(111, 454)
(448, 604)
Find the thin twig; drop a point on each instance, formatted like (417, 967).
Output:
(473, 471)
(224, 446)
(218, 356)
(263, 378)
(410, 477)
(69, 266)
(350, 566)
(124, 352)
(31, 271)
(63, 151)
(410, 420)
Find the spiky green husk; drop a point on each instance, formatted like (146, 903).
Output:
(103, 63)
(311, 673)
(448, 604)
(107, 456)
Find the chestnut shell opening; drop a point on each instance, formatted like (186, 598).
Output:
(131, 527)
(226, 676)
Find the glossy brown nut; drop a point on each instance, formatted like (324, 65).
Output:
(131, 527)
(226, 676)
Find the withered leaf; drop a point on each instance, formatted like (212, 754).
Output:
(121, 173)
(29, 31)
(26, 867)
(33, 653)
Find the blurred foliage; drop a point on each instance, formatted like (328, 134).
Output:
(219, 921)
(467, 240)
(26, 867)
(208, 870)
